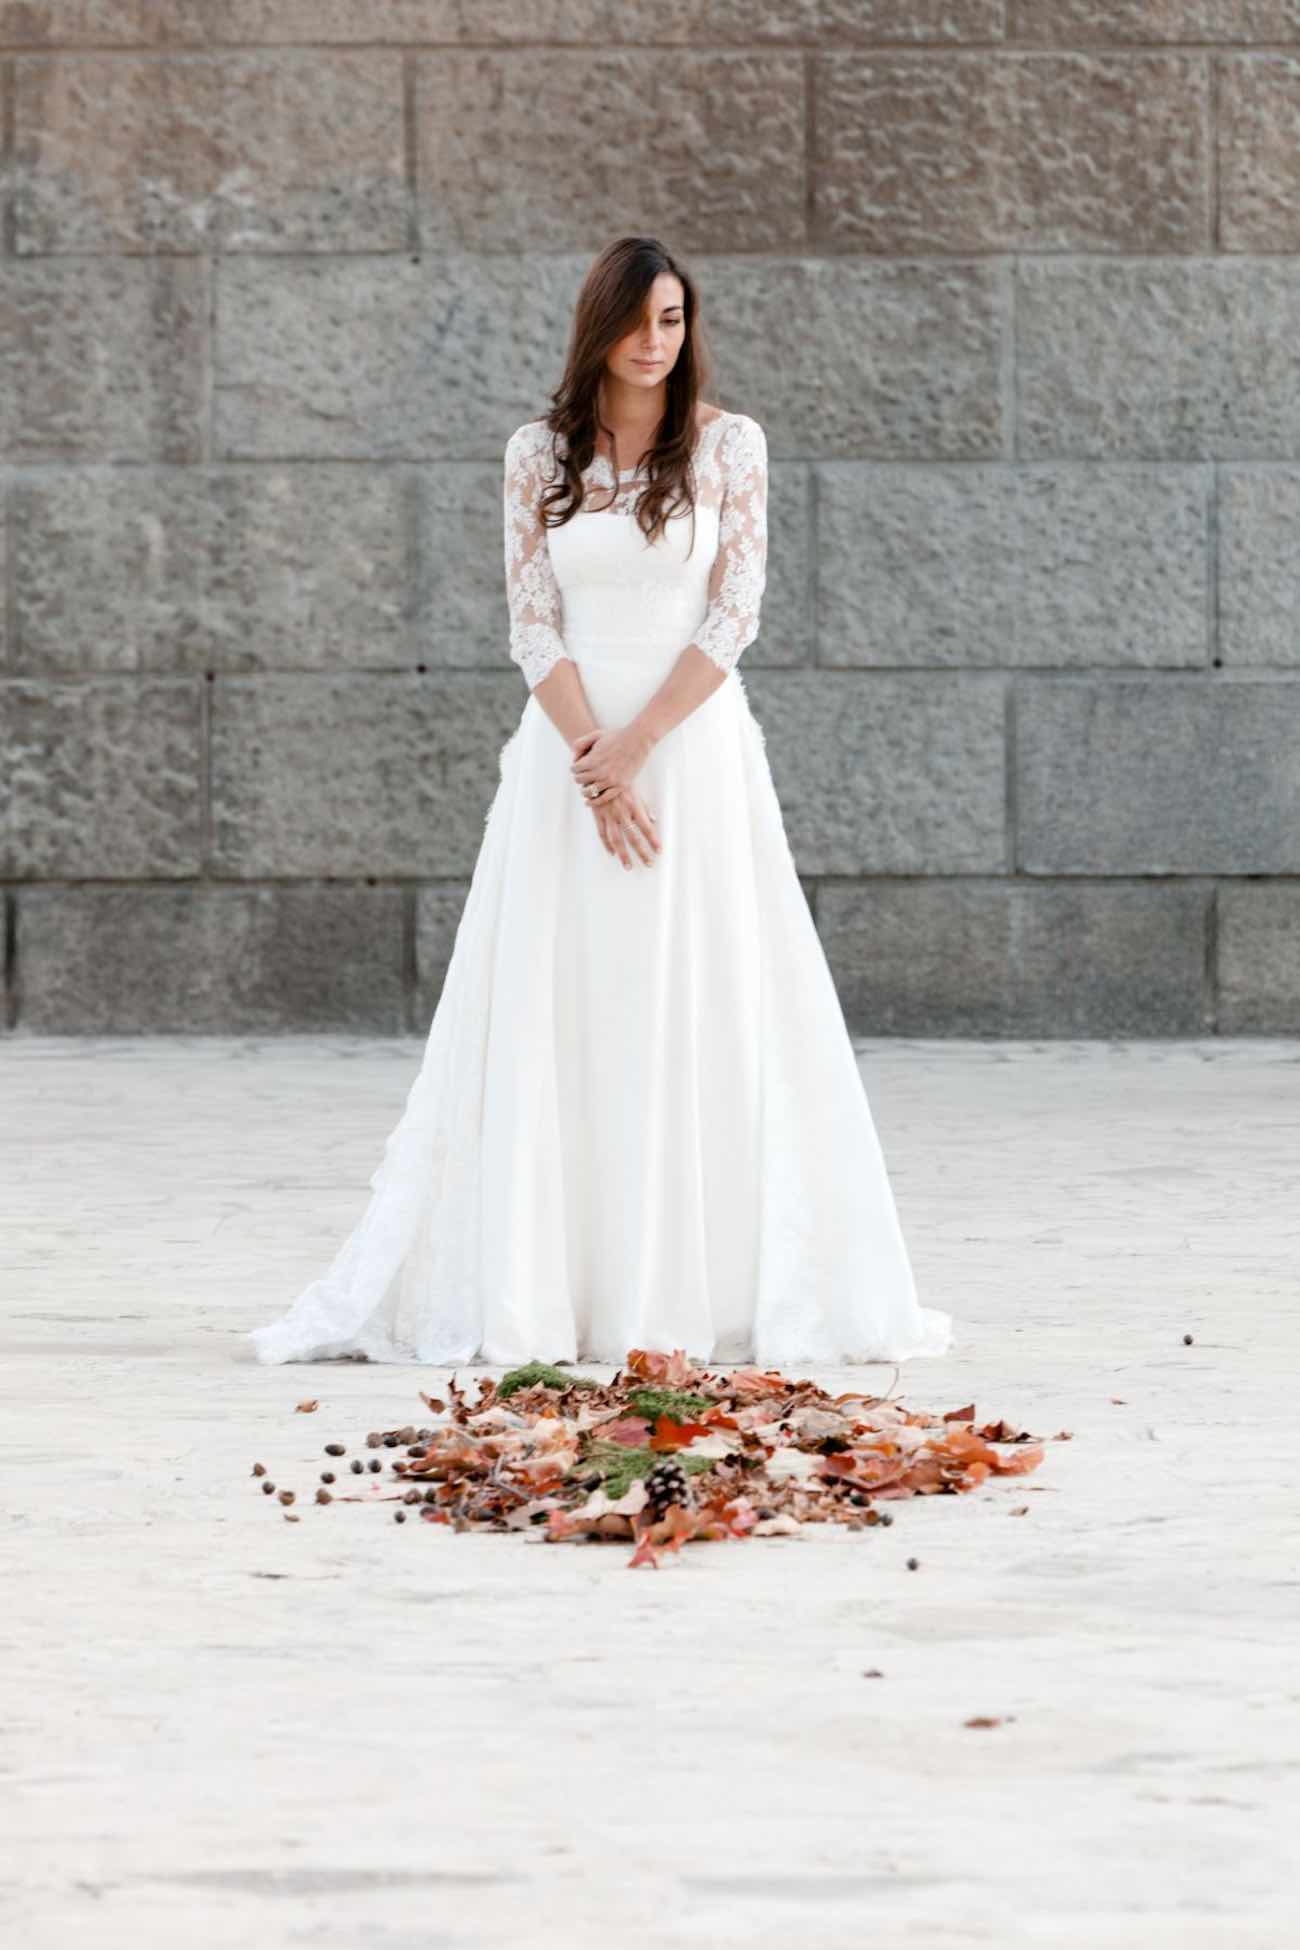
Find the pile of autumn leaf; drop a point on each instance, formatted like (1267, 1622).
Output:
(561, 1456)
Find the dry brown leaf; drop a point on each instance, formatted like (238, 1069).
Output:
(779, 1454)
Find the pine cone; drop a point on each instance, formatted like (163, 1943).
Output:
(666, 1485)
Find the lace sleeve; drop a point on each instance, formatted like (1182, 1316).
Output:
(534, 597)
(739, 572)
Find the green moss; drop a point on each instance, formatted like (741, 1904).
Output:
(618, 1468)
(540, 1374)
(676, 1403)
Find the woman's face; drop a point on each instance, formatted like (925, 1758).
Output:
(646, 355)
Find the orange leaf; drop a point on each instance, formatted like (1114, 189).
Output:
(671, 1435)
(1019, 1461)
(666, 1370)
(754, 1382)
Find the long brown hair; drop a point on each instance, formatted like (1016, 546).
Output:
(609, 306)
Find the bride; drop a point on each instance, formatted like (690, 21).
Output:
(639, 1120)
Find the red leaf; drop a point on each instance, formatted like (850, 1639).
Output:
(671, 1435)
(630, 1431)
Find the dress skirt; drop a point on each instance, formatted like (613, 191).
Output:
(639, 1119)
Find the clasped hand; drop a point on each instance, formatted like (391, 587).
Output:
(610, 760)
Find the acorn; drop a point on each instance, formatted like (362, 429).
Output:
(259, 1469)
(375, 1463)
(399, 1516)
(268, 1486)
(1187, 1340)
(323, 1496)
(335, 1449)
(357, 1466)
(286, 1496)
(390, 1442)
(913, 1563)
(431, 1496)
(374, 1439)
(327, 1476)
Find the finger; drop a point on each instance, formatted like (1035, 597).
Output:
(632, 830)
(644, 851)
(638, 813)
(629, 835)
(645, 820)
(614, 825)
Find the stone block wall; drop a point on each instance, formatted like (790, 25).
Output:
(1013, 286)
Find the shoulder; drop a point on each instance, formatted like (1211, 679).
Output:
(742, 443)
(529, 441)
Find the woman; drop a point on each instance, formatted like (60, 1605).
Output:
(639, 1120)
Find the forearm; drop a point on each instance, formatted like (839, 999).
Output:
(693, 678)
(562, 697)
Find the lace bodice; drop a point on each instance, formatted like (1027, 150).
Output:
(730, 470)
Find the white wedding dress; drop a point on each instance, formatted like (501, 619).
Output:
(639, 1120)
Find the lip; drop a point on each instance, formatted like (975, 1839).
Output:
(645, 362)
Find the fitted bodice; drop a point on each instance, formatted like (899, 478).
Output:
(595, 588)
(624, 595)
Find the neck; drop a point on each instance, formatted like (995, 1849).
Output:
(632, 410)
